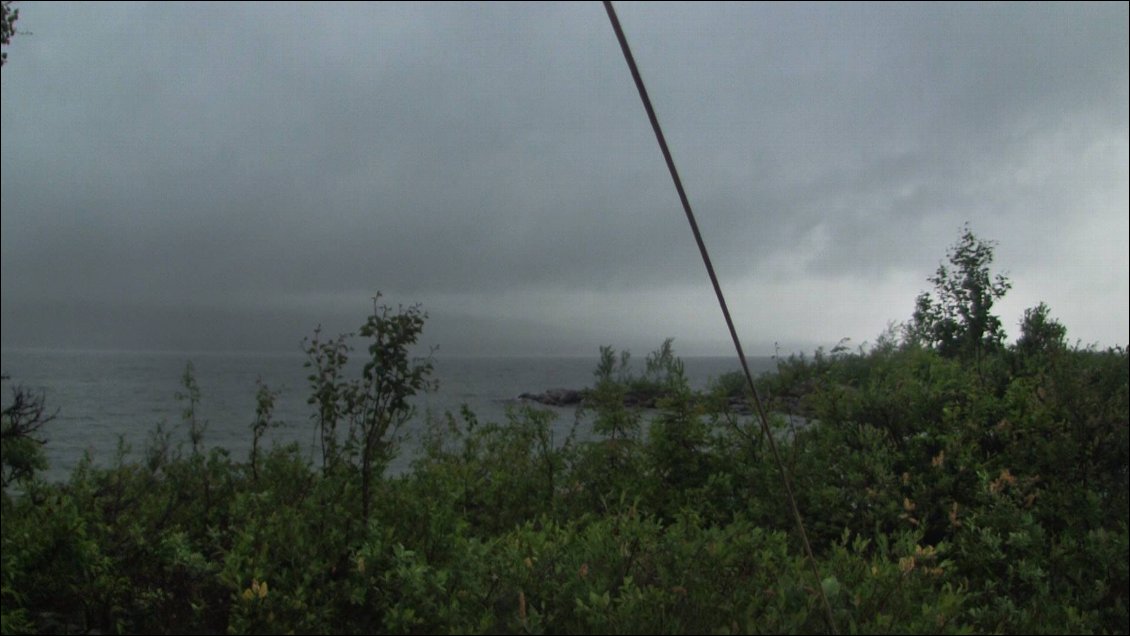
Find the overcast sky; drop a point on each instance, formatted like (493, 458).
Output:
(228, 176)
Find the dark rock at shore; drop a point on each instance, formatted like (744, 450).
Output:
(555, 397)
(645, 399)
(570, 397)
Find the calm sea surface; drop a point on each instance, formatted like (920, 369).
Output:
(102, 397)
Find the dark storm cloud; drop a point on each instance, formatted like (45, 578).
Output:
(261, 160)
(439, 170)
(872, 120)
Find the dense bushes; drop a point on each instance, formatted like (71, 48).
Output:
(943, 493)
(935, 504)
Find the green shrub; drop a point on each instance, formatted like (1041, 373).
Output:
(941, 494)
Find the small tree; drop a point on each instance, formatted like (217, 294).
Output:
(613, 418)
(191, 400)
(333, 395)
(264, 419)
(1040, 333)
(21, 448)
(389, 379)
(376, 405)
(958, 319)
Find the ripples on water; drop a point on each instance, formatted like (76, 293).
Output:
(102, 397)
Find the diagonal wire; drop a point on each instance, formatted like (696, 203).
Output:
(722, 303)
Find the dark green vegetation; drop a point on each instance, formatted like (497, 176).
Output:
(8, 17)
(950, 483)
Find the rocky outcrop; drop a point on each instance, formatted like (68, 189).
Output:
(647, 398)
(555, 397)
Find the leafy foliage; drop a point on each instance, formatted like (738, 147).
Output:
(8, 17)
(1039, 333)
(374, 406)
(21, 453)
(942, 494)
(958, 319)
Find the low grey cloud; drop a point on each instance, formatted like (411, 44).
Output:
(241, 172)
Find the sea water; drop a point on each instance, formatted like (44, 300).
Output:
(103, 400)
